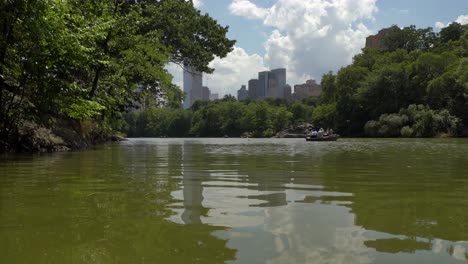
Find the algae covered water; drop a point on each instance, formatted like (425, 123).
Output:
(238, 201)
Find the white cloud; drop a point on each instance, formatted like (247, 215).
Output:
(232, 71)
(247, 9)
(439, 25)
(462, 19)
(197, 3)
(352, 10)
(278, 48)
(311, 37)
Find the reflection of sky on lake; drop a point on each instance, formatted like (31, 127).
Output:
(288, 214)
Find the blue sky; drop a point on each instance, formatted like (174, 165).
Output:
(308, 37)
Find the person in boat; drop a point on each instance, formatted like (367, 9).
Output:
(320, 133)
(313, 133)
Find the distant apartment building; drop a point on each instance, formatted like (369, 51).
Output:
(254, 90)
(302, 91)
(192, 85)
(279, 77)
(206, 93)
(287, 92)
(272, 83)
(375, 41)
(263, 83)
(242, 93)
(196, 94)
(272, 88)
(200, 94)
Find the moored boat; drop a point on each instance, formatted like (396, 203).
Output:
(333, 137)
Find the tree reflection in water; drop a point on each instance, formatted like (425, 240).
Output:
(107, 205)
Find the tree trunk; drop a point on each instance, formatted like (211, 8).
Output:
(7, 29)
(95, 81)
(105, 47)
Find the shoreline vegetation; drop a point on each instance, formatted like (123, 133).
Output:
(416, 85)
(70, 71)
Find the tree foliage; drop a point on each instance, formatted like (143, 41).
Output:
(418, 71)
(226, 117)
(414, 121)
(85, 59)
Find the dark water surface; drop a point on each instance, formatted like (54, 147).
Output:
(238, 201)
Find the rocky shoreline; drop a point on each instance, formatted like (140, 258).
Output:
(60, 135)
(294, 131)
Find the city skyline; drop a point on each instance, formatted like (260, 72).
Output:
(272, 84)
(312, 38)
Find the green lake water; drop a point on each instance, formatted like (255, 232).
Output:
(238, 201)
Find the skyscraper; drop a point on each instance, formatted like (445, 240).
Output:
(272, 87)
(192, 85)
(263, 83)
(272, 83)
(242, 93)
(279, 75)
(254, 91)
(206, 93)
(196, 94)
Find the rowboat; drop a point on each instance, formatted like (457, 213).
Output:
(333, 137)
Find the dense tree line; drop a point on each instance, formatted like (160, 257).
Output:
(83, 60)
(416, 85)
(225, 117)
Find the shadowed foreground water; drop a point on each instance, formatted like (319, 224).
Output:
(238, 201)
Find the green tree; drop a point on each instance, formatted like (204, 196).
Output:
(449, 92)
(426, 67)
(301, 112)
(194, 39)
(281, 118)
(325, 115)
(257, 118)
(329, 90)
(85, 59)
(367, 58)
(180, 123)
(385, 90)
(232, 112)
(36, 49)
(348, 110)
(409, 38)
(451, 33)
